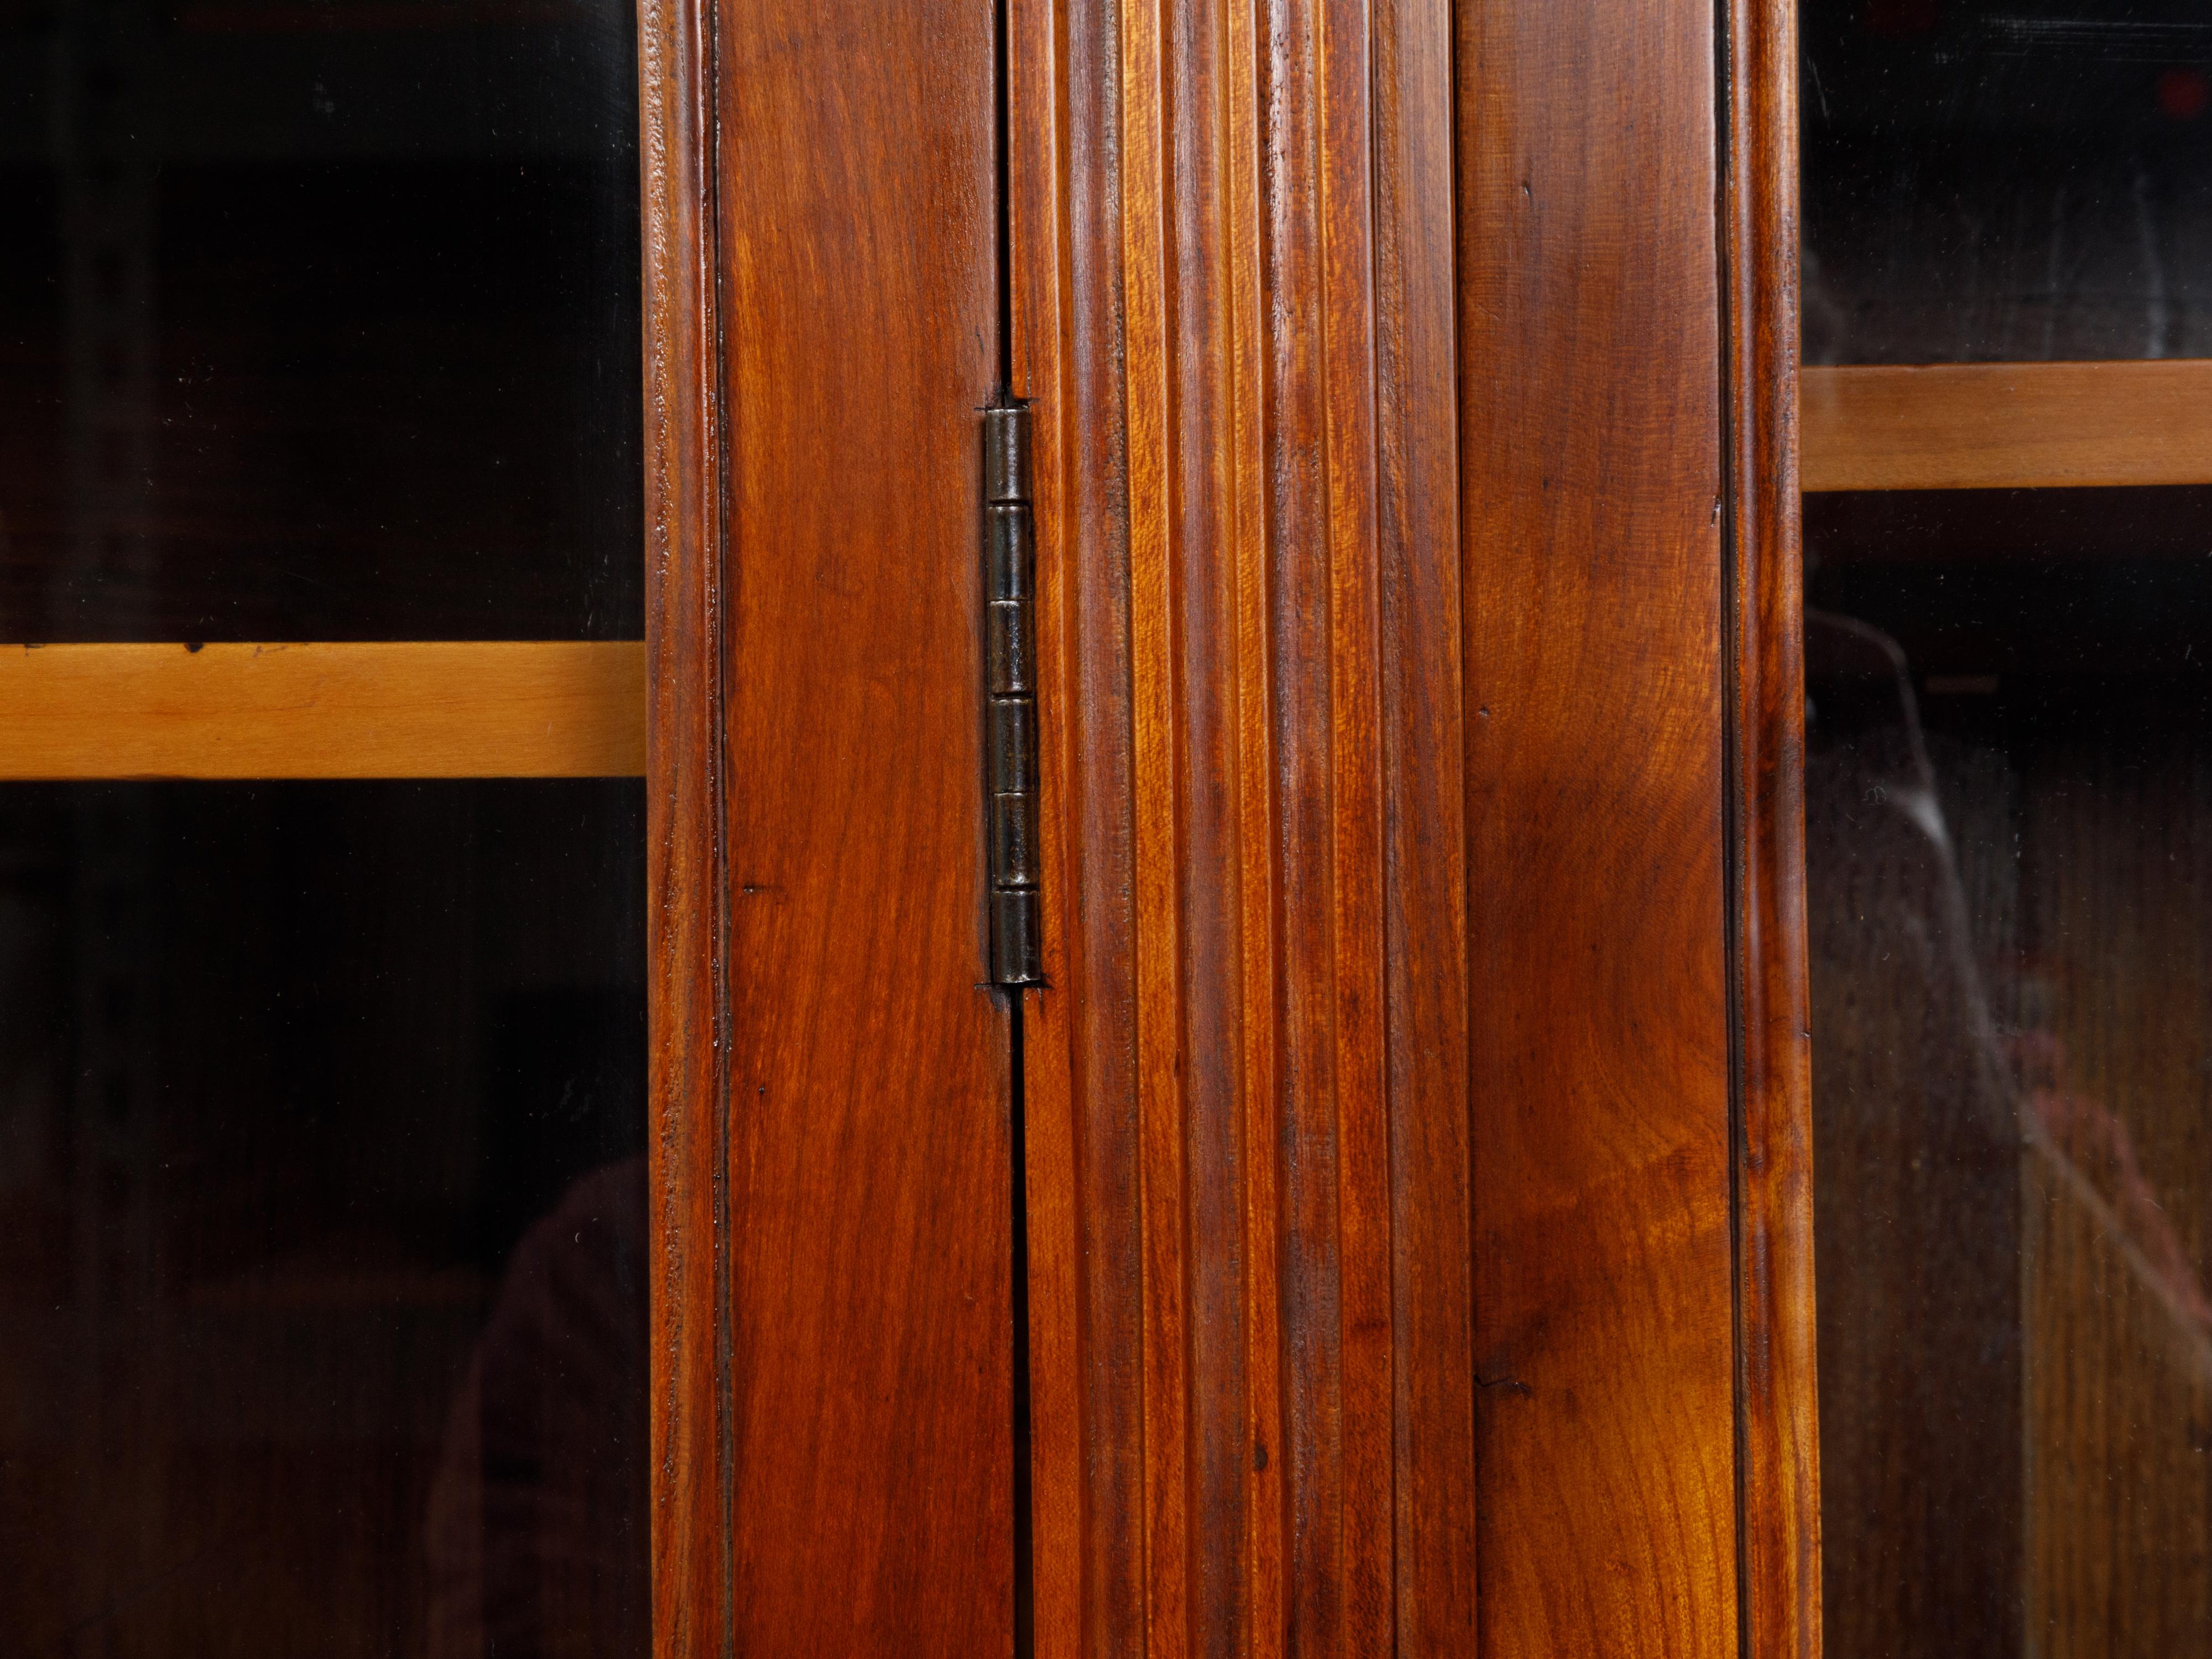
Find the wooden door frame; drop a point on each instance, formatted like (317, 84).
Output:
(1227, 230)
(1777, 1394)
(1206, 725)
(687, 915)
(831, 1284)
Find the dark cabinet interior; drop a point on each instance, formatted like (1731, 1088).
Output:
(319, 322)
(322, 1239)
(2010, 808)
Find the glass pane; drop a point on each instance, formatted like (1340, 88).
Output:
(2009, 799)
(322, 1219)
(2006, 180)
(322, 1199)
(2009, 851)
(318, 319)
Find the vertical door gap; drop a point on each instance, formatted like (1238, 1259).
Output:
(1024, 1531)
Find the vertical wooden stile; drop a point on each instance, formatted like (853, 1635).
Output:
(833, 1406)
(1246, 1074)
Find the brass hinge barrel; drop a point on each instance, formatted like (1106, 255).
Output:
(1010, 726)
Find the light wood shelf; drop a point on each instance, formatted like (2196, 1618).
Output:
(524, 709)
(2000, 426)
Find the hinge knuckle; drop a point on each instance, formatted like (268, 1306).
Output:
(1010, 737)
(1012, 563)
(1007, 454)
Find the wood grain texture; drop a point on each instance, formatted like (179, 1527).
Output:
(504, 709)
(1062, 1562)
(2004, 426)
(1591, 410)
(687, 915)
(869, 1214)
(1778, 1471)
(1424, 710)
(1248, 1131)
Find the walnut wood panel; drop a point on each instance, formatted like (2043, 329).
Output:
(1590, 356)
(2004, 426)
(1778, 1471)
(835, 1085)
(415, 709)
(1248, 1129)
(687, 916)
(1274, 1213)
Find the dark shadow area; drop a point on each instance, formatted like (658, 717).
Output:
(322, 1225)
(320, 320)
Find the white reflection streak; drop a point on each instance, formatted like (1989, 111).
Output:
(2174, 1284)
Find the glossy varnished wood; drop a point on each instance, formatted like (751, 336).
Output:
(1276, 443)
(1591, 379)
(1067, 1577)
(1247, 1127)
(501, 708)
(2009, 426)
(832, 1411)
(1779, 1474)
(1436, 1490)
(687, 918)
(869, 1199)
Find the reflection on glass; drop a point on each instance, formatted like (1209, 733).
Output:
(2009, 835)
(2009, 851)
(2006, 180)
(318, 319)
(322, 1216)
(322, 1206)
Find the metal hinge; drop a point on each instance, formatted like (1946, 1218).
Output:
(1010, 670)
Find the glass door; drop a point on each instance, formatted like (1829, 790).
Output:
(2007, 430)
(322, 1039)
